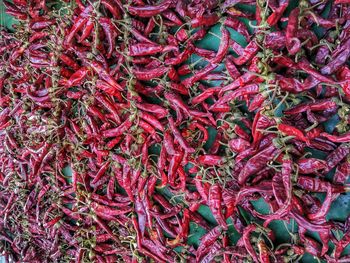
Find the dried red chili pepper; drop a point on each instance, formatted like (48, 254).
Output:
(292, 42)
(110, 33)
(248, 53)
(292, 131)
(318, 185)
(79, 22)
(305, 65)
(340, 246)
(198, 75)
(257, 162)
(149, 10)
(337, 138)
(205, 20)
(111, 8)
(149, 74)
(205, 95)
(313, 106)
(179, 137)
(277, 13)
(334, 158)
(77, 78)
(310, 165)
(214, 202)
(115, 132)
(321, 214)
(223, 48)
(104, 75)
(207, 240)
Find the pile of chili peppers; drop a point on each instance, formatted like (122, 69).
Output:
(155, 128)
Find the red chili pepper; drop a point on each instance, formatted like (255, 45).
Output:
(211, 160)
(152, 120)
(214, 203)
(177, 103)
(257, 162)
(106, 228)
(20, 2)
(149, 74)
(245, 90)
(101, 172)
(220, 108)
(321, 214)
(172, 74)
(108, 29)
(223, 48)
(149, 27)
(231, 68)
(181, 35)
(182, 57)
(150, 254)
(207, 241)
(140, 37)
(293, 44)
(169, 143)
(143, 49)
(337, 138)
(246, 241)
(69, 62)
(77, 78)
(179, 137)
(111, 8)
(241, 133)
(342, 172)
(126, 181)
(237, 48)
(238, 145)
(198, 75)
(341, 245)
(79, 22)
(343, 75)
(313, 106)
(334, 158)
(318, 185)
(303, 64)
(310, 165)
(173, 166)
(203, 129)
(170, 15)
(11, 9)
(155, 109)
(104, 75)
(248, 53)
(325, 23)
(41, 23)
(257, 101)
(292, 131)
(277, 13)
(238, 26)
(107, 104)
(149, 10)
(115, 132)
(184, 229)
(107, 88)
(147, 127)
(205, 95)
(205, 20)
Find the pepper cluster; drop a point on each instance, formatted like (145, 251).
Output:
(155, 128)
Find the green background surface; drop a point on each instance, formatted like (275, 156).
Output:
(340, 208)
